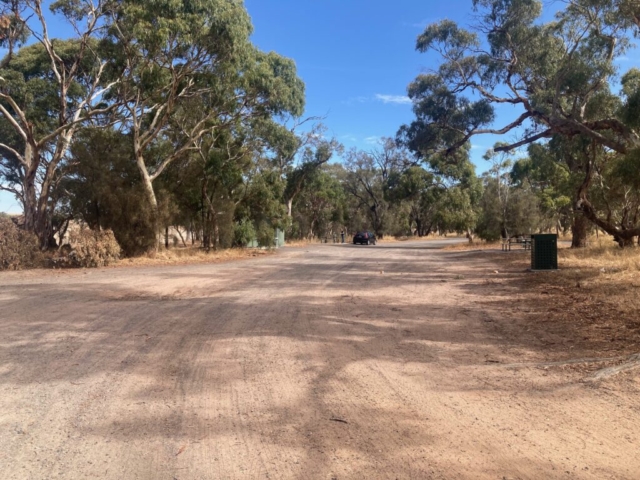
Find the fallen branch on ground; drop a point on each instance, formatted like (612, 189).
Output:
(338, 420)
(562, 363)
(632, 363)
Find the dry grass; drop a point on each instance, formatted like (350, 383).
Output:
(349, 239)
(604, 257)
(430, 238)
(193, 255)
(475, 245)
(589, 307)
(302, 242)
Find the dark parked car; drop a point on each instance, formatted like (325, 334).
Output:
(364, 238)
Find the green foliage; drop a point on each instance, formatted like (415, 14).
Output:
(457, 210)
(244, 233)
(520, 216)
(105, 189)
(200, 130)
(552, 182)
(263, 201)
(630, 110)
(419, 191)
(556, 76)
(319, 209)
(265, 234)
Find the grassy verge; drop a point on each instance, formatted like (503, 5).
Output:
(475, 245)
(302, 242)
(192, 255)
(590, 307)
(430, 238)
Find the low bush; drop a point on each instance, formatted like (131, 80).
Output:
(265, 235)
(18, 248)
(244, 233)
(89, 248)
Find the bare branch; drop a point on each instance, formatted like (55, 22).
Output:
(13, 152)
(21, 131)
(506, 148)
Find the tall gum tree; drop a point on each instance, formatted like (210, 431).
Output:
(298, 148)
(555, 75)
(187, 70)
(367, 179)
(47, 90)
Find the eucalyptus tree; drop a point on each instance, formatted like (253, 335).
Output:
(320, 208)
(620, 167)
(615, 193)
(48, 89)
(314, 155)
(103, 188)
(555, 76)
(188, 69)
(553, 182)
(417, 189)
(521, 216)
(458, 207)
(221, 165)
(297, 147)
(368, 176)
(500, 177)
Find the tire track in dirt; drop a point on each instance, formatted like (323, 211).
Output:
(330, 362)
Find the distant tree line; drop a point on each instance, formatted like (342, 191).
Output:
(164, 117)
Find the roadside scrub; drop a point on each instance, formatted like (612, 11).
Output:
(88, 249)
(193, 255)
(91, 249)
(589, 308)
(18, 248)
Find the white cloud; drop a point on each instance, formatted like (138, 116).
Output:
(354, 100)
(349, 138)
(395, 99)
(373, 140)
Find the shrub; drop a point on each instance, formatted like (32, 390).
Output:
(90, 248)
(18, 248)
(244, 233)
(265, 235)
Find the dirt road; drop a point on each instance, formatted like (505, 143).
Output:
(328, 362)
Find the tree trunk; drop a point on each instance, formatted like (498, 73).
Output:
(419, 228)
(207, 231)
(579, 231)
(151, 197)
(625, 242)
(216, 232)
(624, 236)
(184, 244)
(166, 238)
(35, 216)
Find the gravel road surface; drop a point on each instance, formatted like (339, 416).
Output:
(325, 362)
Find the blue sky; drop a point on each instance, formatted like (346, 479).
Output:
(357, 58)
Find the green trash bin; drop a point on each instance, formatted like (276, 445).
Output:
(544, 252)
